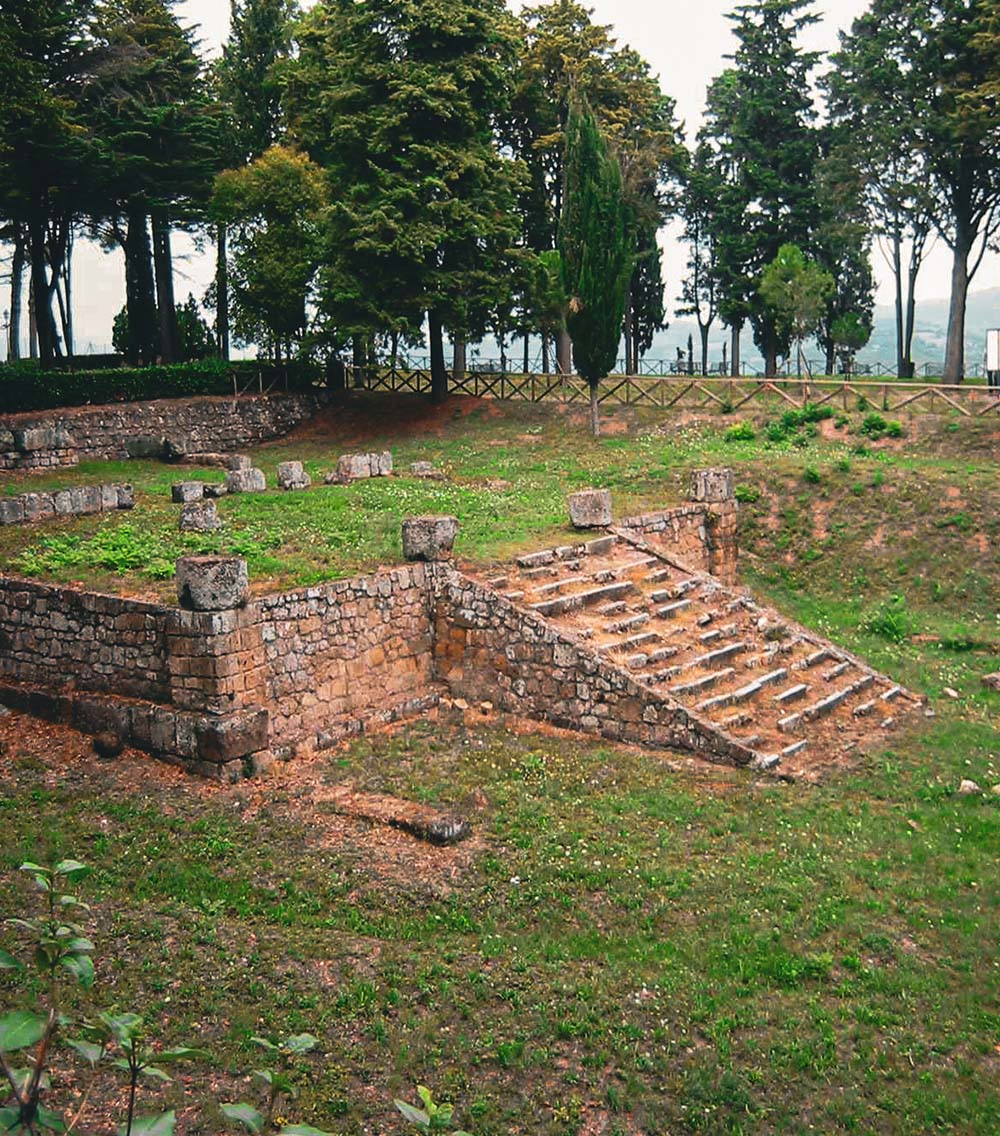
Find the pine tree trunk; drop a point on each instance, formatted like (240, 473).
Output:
(911, 318)
(222, 290)
(954, 357)
(703, 331)
(897, 273)
(595, 409)
(735, 364)
(439, 376)
(17, 265)
(564, 352)
(358, 355)
(32, 324)
(458, 359)
(139, 296)
(527, 353)
(45, 328)
(831, 358)
(545, 353)
(628, 333)
(170, 339)
(67, 279)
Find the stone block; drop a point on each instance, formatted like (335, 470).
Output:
(429, 538)
(245, 481)
(37, 506)
(6, 441)
(146, 447)
(992, 681)
(31, 439)
(109, 498)
(11, 511)
(87, 500)
(212, 583)
(214, 489)
(712, 485)
(62, 502)
(182, 492)
(239, 461)
(353, 467)
(232, 736)
(291, 475)
(590, 508)
(126, 496)
(381, 464)
(199, 516)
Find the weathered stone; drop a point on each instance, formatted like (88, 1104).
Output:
(381, 464)
(712, 485)
(62, 502)
(6, 441)
(37, 506)
(212, 583)
(992, 681)
(357, 467)
(590, 508)
(181, 492)
(225, 739)
(11, 511)
(291, 475)
(429, 538)
(245, 481)
(969, 788)
(146, 447)
(32, 438)
(214, 489)
(126, 497)
(425, 469)
(238, 461)
(199, 516)
(108, 745)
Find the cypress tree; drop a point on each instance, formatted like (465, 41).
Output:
(594, 241)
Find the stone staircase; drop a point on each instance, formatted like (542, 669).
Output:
(782, 693)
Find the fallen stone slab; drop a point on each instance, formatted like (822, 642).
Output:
(358, 467)
(425, 469)
(421, 821)
(83, 500)
(292, 475)
(199, 516)
(181, 492)
(992, 681)
(429, 538)
(590, 508)
(245, 480)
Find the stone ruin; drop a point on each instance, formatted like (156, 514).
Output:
(636, 634)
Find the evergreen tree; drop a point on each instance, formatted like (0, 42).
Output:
(44, 142)
(595, 247)
(943, 57)
(397, 101)
(759, 125)
(702, 190)
(795, 291)
(156, 133)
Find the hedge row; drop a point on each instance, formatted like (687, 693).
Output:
(25, 386)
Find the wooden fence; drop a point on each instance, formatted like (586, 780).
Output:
(696, 393)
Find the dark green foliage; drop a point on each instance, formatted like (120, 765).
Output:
(196, 339)
(875, 426)
(593, 240)
(25, 386)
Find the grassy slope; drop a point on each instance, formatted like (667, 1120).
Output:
(683, 949)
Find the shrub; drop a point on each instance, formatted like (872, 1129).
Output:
(741, 432)
(875, 426)
(811, 475)
(746, 494)
(890, 620)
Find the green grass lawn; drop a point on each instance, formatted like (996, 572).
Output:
(632, 943)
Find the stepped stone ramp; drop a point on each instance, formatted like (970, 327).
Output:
(774, 693)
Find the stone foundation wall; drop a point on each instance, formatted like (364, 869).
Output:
(338, 655)
(57, 637)
(488, 649)
(703, 536)
(56, 438)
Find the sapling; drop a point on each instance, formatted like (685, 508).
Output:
(432, 1117)
(279, 1084)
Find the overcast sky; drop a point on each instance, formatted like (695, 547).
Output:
(685, 42)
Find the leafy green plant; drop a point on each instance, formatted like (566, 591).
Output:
(746, 494)
(279, 1083)
(811, 475)
(890, 620)
(875, 426)
(432, 1117)
(58, 946)
(741, 432)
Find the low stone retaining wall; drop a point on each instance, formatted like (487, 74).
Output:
(169, 428)
(78, 502)
(703, 536)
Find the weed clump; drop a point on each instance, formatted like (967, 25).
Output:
(746, 494)
(889, 620)
(741, 432)
(797, 426)
(875, 426)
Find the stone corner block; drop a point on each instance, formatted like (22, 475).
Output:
(292, 475)
(183, 492)
(245, 481)
(590, 508)
(212, 583)
(429, 538)
(231, 736)
(712, 486)
(199, 516)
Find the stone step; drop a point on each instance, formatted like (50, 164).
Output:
(557, 585)
(513, 596)
(825, 705)
(743, 693)
(672, 610)
(891, 694)
(737, 721)
(543, 573)
(660, 576)
(706, 618)
(629, 624)
(718, 656)
(498, 582)
(837, 671)
(615, 608)
(864, 709)
(794, 748)
(706, 682)
(814, 659)
(577, 600)
(663, 653)
(600, 546)
(792, 694)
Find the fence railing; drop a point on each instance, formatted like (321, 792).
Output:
(722, 394)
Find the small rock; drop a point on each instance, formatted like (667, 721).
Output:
(429, 538)
(292, 475)
(425, 470)
(497, 485)
(199, 516)
(995, 790)
(486, 707)
(590, 508)
(245, 480)
(992, 681)
(183, 492)
(968, 788)
(460, 704)
(214, 489)
(107, 745)
(950, 692)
